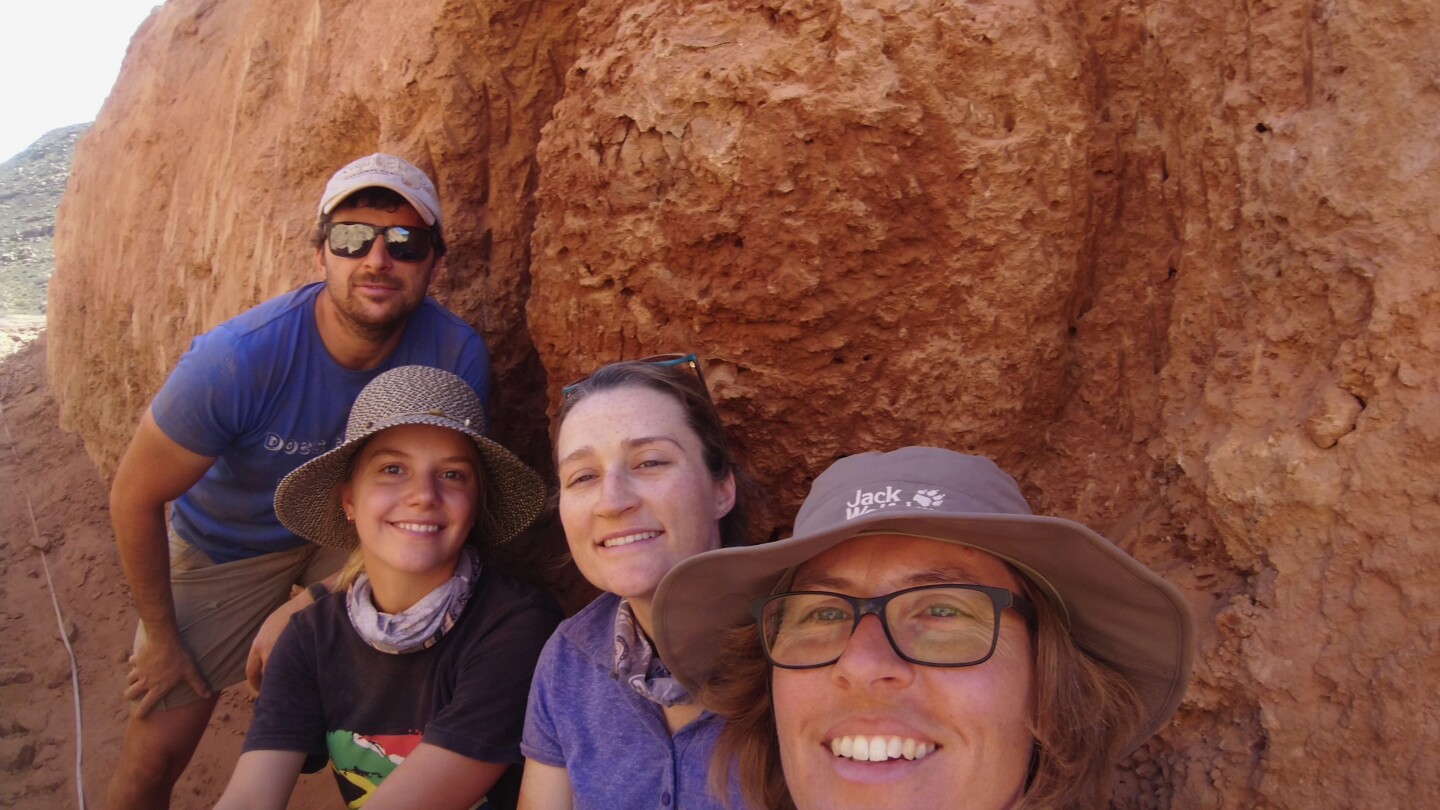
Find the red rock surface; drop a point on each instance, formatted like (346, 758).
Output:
(1171, 264)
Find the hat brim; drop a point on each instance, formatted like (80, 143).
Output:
(431, 217)
(1119, 611)
(307, 501)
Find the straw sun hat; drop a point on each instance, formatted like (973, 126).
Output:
(1115, 608)
(308, 499)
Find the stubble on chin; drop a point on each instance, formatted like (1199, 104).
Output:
(352, 316)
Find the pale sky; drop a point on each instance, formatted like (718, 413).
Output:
(59, 59)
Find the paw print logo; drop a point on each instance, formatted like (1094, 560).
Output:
(927, 498)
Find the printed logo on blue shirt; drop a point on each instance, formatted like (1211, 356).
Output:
(278, 444)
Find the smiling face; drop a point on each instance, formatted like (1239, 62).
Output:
(635, 495)
(374, 294)
(967, 727)
(414, 494)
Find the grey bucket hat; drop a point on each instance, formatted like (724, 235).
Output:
(308, 499)
(1117, 610)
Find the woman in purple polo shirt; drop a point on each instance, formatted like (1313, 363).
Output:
(646, 481)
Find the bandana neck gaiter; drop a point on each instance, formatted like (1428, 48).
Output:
(637, 664)
(423, 623)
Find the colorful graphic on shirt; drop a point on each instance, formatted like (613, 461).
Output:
(361, 762)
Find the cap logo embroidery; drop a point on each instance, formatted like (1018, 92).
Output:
(866, 502)
(385, 164)
(927, 499)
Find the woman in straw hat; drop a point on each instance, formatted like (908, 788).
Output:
(1011, 661)
(646, 480)
(411, 678)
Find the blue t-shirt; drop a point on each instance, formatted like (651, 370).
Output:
(612, 742)
(262, 395)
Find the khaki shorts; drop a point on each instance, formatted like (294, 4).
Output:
(219, 608)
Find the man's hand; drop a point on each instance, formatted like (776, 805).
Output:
(269, 634)
(153, 471)
(155, 669)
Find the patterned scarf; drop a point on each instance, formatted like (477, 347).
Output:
(423, 623)
(636, 662)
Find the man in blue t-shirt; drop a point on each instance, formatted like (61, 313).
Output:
(250, 401)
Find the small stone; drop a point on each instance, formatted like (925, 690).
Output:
(16, 755)
(42, 783)
(1334, 415)
(31, 719)
(46, 755)
(14, 675)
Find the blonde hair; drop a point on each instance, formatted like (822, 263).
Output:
(354, 566)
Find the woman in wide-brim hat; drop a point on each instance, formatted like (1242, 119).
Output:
(411, 678)
(1014, 660)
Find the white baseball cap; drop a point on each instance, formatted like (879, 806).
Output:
(384, 171)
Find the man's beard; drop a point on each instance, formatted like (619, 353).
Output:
(355, 317)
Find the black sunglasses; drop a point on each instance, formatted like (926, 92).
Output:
(404, 243)
(662, 360)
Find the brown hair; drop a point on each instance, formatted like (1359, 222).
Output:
(747, 751)
(1084, 713)
(687, 389)
(379, 198)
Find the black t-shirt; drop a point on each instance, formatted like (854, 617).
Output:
(330, 695)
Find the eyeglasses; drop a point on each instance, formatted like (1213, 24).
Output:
(663, 360)
(404, 243)
(932, 625)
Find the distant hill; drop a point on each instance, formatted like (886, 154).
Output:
(31, 184)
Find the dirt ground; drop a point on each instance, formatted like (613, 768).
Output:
(45, 469)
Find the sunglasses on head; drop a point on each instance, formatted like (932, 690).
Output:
(662, 360)
(404, 243)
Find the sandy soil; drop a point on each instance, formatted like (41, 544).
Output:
(43, 468)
